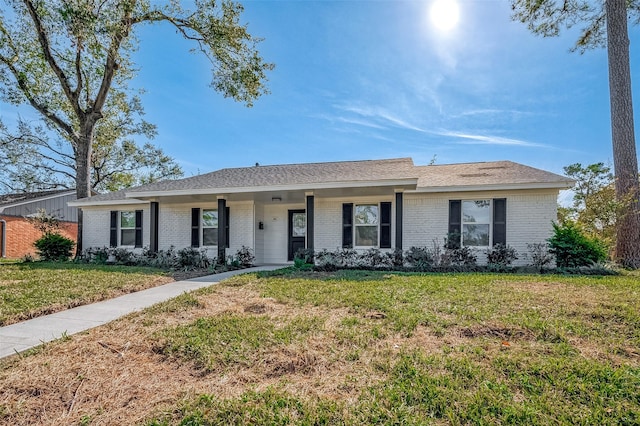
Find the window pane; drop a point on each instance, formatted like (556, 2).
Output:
(478, 211)
(366, 214)
(210, 218)
(210, 237)
(128, 237)
(366, 236)
(299, 224)
(127, 219)
(475, 235)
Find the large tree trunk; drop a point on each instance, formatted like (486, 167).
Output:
(624, 145)
(83, 173)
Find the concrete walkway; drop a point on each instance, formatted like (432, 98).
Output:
(25, 335)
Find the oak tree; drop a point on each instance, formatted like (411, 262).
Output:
(603, 23)
(67, 59)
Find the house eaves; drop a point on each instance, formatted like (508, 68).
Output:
(494, 187)
(408, 182)
(85, 202)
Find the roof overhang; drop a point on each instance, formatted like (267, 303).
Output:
(495, 187)
(408, 183)
(88, 202)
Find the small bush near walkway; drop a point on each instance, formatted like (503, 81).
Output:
(53, 247)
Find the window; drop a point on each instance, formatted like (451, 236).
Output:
(209, 227)
(127, 228)
(476, 223)
(298, 224)
(366, 220)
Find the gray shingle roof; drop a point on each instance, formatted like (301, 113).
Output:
(428, 177)
(487, 173)
(21, 197)
(290, 174)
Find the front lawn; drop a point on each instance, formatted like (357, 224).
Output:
(28, 290)
(350, 348)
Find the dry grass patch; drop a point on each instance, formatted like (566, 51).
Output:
(301, 350)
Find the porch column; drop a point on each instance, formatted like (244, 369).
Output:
(310, 212)
(154, 210)
(399, 220)
(223, 243)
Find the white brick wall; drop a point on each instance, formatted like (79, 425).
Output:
(175, 225)
(259, 233)
(97, 224)
(529, 217)
(241, 226)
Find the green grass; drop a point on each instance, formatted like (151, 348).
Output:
(32, 289)
(215, 343)
(506, 349)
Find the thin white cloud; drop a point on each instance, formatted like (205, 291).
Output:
(350, 120)
(491, 111)
(470, 139)
(380, 114)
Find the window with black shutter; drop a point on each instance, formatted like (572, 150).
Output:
(477, 223)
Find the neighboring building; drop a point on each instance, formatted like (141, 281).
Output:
(17, 234)
(277, 209)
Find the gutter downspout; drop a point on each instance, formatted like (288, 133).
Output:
(3, 239)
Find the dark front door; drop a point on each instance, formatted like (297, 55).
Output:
(297, 231)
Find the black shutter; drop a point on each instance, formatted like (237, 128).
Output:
(310, 213)
(398, 220)
(347, 225)
(499, 221)
(385, 225)
(195, 227)
(226, 228)
(138, 228)
(455, 223)
(113, 237)
(154, 210)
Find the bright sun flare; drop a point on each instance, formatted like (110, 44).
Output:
(444, 14)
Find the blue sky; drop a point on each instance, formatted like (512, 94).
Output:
(375, 79)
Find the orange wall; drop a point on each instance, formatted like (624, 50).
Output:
(20, 236)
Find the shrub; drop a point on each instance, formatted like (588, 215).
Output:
(124, 257)
(461, 256)
(244, 256)
(396, 258)
(190, 257)
(303, 256)
(540, 255)
(501, 255)
(574, 249)
(326, 261)
(373, 258)
(420, 257)
(54, 247)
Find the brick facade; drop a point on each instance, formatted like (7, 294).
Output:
(21, 234)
